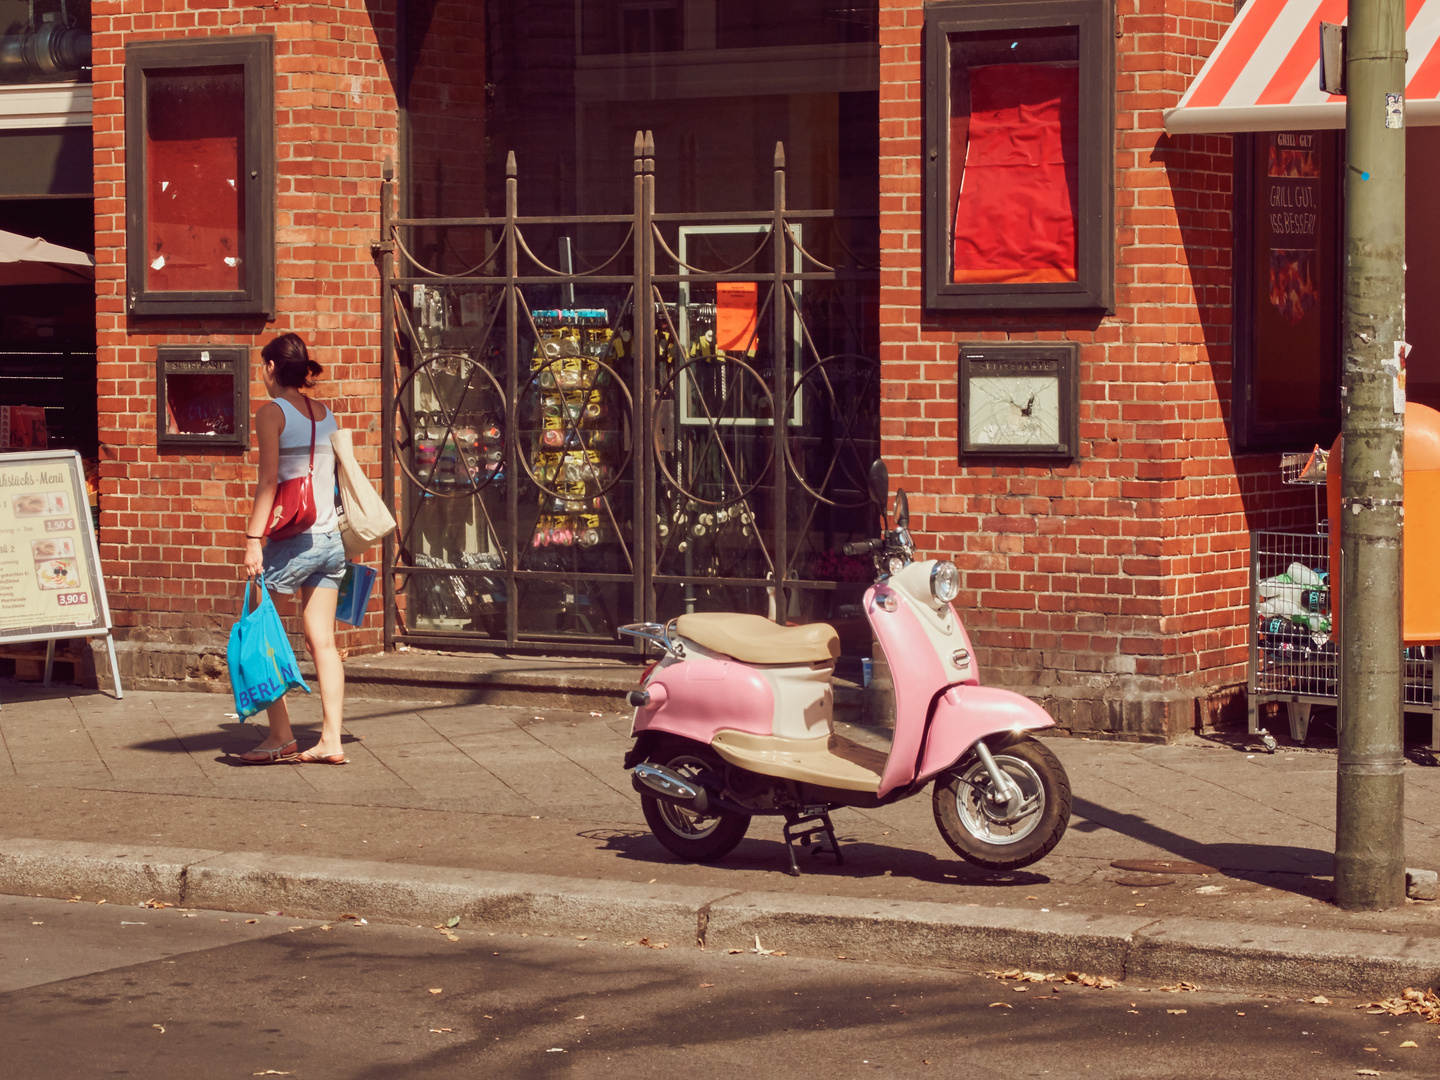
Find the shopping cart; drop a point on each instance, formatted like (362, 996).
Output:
(1294, 659)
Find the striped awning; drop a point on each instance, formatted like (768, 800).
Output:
(1265, 73)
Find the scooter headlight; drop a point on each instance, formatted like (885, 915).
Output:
(945, 582)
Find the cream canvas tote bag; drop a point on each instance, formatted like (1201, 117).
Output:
(366, 518)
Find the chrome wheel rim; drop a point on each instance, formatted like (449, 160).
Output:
(682, 822)
(993, 822)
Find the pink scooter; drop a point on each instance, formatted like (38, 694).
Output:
(735, 721)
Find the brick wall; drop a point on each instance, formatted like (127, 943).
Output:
(171, 524)
(1114, 590)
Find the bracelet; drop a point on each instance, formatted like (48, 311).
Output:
(249, 537)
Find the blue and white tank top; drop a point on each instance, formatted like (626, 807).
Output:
(295, 457)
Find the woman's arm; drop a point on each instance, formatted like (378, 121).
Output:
(269, 422)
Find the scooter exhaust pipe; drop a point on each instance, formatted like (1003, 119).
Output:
(650, 779)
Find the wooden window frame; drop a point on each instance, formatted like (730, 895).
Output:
(215, 360)
(255, 54)
(1094, 287)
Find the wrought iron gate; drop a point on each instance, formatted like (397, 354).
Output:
(684, 424)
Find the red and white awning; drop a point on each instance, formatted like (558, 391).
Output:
(1265, 73)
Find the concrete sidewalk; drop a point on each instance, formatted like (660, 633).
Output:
(520, 817)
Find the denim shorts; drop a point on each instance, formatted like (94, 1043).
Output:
(309, 559)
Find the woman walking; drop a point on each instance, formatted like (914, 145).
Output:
(312, 561)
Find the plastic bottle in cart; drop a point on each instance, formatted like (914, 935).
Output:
(1301, 574)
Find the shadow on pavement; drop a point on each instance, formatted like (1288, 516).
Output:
(862, 860)
(1280, 866)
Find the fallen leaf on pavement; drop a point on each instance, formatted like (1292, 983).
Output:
(1177, 1012)
(1366, 1072)
(1179, 988)
(1001, 1005)
(555, 1049)
(349, 915)
(156, 904)
(1019, 989)
(1421, 1002)
(655, 945)
(706, 985)
(453, 921)
(440, 1031)
(1318, 999)
(252, 920)
(436, 990)
(271, 1072)
(1409, 1042)
(158, 1028)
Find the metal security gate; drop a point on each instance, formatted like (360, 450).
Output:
(605, 419)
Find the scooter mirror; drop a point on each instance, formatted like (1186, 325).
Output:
(902, 510)
(880, 485)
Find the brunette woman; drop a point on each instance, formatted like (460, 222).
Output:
(313, 561)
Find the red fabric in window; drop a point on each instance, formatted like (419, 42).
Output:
(1019, 192)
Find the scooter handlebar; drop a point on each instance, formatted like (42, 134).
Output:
(863, 547)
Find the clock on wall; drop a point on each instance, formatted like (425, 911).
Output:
(1019, 402)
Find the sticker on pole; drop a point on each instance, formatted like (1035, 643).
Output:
(1394, 110)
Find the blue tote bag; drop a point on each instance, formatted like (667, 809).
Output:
(262, 664)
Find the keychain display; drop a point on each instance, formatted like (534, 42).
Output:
(577, 432)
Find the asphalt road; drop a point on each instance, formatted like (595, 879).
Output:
(92, 990)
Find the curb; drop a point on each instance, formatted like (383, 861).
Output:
(1214, 955)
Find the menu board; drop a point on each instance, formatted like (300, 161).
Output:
(50, 583)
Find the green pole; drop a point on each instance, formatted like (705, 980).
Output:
(1370, 787)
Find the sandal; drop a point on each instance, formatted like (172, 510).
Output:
(269, 756)
(309, 757)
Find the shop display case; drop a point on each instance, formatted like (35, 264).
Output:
(202, 396)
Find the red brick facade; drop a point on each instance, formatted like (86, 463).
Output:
(171, 523)
(1114, 590)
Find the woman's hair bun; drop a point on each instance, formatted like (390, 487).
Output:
(293, 366)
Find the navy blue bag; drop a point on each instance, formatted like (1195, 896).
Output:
(262, 664)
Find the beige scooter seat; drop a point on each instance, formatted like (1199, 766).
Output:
(756, 640)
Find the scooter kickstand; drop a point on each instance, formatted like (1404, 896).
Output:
(818, 820)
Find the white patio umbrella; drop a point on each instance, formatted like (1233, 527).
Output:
(28, 260)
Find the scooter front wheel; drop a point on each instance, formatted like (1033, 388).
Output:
(1020, 827)
(693, 836)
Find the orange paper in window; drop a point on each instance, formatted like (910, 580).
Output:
(1019, 192)
(735, 319)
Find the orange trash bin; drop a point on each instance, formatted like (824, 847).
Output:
(1420, 531)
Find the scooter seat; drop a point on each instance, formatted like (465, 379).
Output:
(756, 640)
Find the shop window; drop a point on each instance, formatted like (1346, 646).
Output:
(1019, 167)
(1287, 288)
(200, 176)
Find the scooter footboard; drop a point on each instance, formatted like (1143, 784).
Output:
(965, 714)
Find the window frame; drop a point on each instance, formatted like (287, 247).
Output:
(223, 360)
(1252, 436)
(254, 54)
(1094, 287)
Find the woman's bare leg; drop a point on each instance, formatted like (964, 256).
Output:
(318, 616)
(277, 715)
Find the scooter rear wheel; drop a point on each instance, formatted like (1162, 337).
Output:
(1004, 835)
(692, 836)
